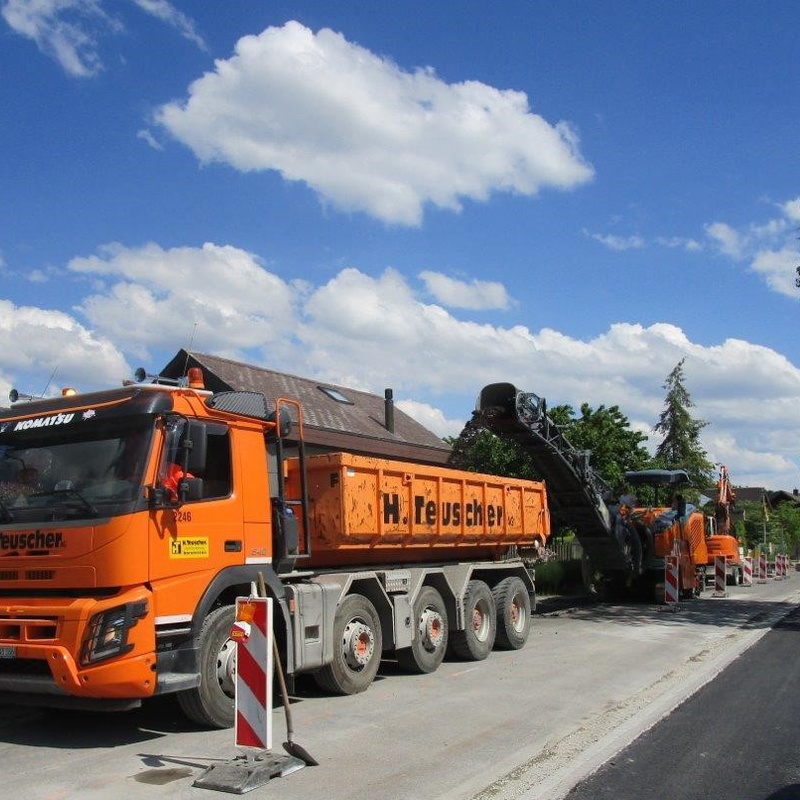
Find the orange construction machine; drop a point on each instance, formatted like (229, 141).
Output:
(624, 544)
(131, 519)
(721, 539)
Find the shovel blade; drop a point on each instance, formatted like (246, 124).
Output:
(294, 749)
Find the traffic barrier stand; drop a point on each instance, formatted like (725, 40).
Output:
(671, 591)
(719, 577)
(747, 571)
(762, 568)
(252, 632)
(780, 567)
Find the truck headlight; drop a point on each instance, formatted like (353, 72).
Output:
(107, 634)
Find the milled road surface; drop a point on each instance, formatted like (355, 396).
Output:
(524, 725)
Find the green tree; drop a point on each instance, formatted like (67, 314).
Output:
(606, 432)
(750, 528)
(783, 528)
(479, 450)
(680, 446)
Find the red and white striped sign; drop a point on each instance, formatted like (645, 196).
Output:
(253, 634)
(762, 567)
(747, 571)
(671, 592)
(719, 576)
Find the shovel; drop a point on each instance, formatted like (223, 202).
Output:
(290, 746)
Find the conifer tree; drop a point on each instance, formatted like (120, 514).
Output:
(680, 447)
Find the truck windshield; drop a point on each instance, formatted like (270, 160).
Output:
(67, 473)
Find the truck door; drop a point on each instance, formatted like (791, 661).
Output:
(196, 528)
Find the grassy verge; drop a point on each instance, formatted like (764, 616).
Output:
(558, 577)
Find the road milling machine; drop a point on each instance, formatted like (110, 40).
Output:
(624, 544)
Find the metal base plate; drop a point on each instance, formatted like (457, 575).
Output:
(245, 773)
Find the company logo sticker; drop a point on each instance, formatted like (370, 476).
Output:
(189, 547)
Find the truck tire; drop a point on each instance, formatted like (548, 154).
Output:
(430, 641)
(211, 704)
(357, 646)
(476, 641)
(513, 613)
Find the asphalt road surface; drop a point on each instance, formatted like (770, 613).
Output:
(739, 737)
(521, 725)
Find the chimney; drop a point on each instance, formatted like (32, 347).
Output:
(388, 405)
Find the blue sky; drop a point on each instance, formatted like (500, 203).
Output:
(569, 196)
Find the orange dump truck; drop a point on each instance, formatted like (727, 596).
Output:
(131, 519)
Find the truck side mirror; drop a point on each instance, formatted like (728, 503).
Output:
(195, 440)
(284, 423)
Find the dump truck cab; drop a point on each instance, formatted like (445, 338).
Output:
(120, 528)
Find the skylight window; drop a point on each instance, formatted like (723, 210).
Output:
(335, 394)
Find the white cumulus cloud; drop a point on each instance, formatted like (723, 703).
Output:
(37, 342)
(431, 417)
(770, 247)
(221, 295)
(727, 239)
(372, 332)
(475, 294)
(365, 134)
(614, 242)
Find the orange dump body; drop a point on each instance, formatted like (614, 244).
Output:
(367, 510)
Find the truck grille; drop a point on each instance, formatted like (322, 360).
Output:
(29, 630)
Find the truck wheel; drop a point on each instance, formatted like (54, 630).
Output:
(211, 704)
(430, 642)
(475, 642)
(513, 613)
(357, 646)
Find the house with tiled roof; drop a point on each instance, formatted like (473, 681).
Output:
(334, 417)
(759, 494)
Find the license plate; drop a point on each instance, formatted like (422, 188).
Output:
(8, 652)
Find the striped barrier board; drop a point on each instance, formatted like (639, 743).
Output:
(762, 567)
(747, 571)
(252, 632)
(720, 576)
(671, 592)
